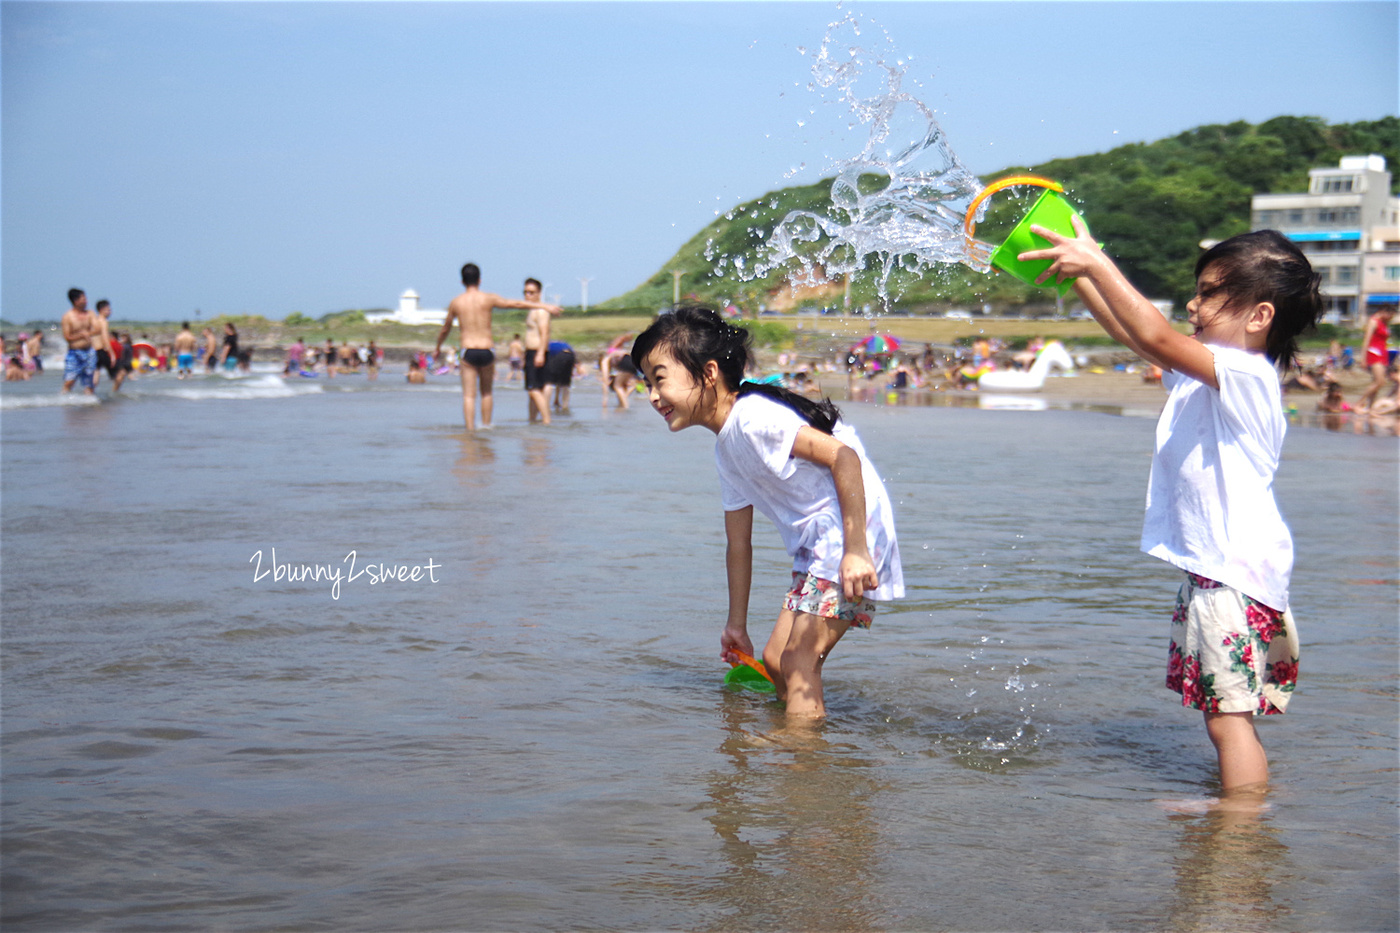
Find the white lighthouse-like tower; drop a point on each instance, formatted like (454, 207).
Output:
(409, 313)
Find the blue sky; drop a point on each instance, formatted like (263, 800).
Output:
(271, 157)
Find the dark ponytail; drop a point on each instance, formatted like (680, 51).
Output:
(821, 415)
(694, 335)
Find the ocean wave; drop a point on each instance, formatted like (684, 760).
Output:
(244, 387)
(69, 400)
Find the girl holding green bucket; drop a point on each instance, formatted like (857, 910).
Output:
(1210, 510)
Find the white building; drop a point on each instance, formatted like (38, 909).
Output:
(409, 313)
(1336, 223)
(1380, 273)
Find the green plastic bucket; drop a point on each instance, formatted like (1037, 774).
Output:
(745, 676)
(1052, 211)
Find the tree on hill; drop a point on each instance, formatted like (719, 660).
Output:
(1151, 204)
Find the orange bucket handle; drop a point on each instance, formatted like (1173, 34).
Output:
(756, 665)
(970, 224)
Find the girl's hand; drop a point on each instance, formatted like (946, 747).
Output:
(857, 576)
(731, 639)
(1070, 257)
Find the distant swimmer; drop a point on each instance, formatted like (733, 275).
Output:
(372, 355)
(209, 350)
(294, 358)
(517, 358)
(185, 343)
(472, 310)
(78, 327)
(229, 355)
(617, 371)
(536, 352)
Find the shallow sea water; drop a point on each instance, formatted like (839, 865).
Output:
(540, 739)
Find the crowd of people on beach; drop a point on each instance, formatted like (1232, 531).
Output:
(330, 360)
(548, 366)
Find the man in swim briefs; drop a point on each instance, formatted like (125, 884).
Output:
(472, 310)
(184, 350)
(78, 327)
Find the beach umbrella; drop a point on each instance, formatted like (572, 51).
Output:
(877, 344)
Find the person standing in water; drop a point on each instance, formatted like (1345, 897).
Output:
(798, 463)
(78, 328)
(617, 373)
(209, 349)
(109, 349)
(516, 352)
(1375, 344)
(536, 351)
(185, 344)
(1210, 501)
(472, 310)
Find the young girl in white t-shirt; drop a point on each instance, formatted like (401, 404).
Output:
(1210, 499)
(796, 462)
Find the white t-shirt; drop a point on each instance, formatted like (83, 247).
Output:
(1210, 500)
(754, 455)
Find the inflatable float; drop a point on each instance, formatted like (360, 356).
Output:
(1005, 380)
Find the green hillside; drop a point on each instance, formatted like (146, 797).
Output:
(1150, 204)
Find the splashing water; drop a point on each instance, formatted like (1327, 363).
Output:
(903, 198)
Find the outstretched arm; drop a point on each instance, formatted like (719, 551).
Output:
(857, 569)
(738, 566)
(1122, 310)
(523, 304)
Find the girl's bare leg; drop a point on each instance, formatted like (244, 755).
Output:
(1378, 381)
(1242, 760)
(794, 656)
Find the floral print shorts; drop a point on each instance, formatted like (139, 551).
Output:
(811, 594)
(1230, 653)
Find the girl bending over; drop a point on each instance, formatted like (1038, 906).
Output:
(800, 465)
(1210, 499)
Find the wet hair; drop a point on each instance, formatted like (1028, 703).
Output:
(471, 274)
(534, 282)
(74, 294)
(1266, 266)
(695, 335)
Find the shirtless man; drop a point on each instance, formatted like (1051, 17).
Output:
(536, 347)
(184, 350)
(108, 356)
(472, 309)
(78, 328)
(209, 349)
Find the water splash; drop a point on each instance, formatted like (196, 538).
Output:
(901, 200)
